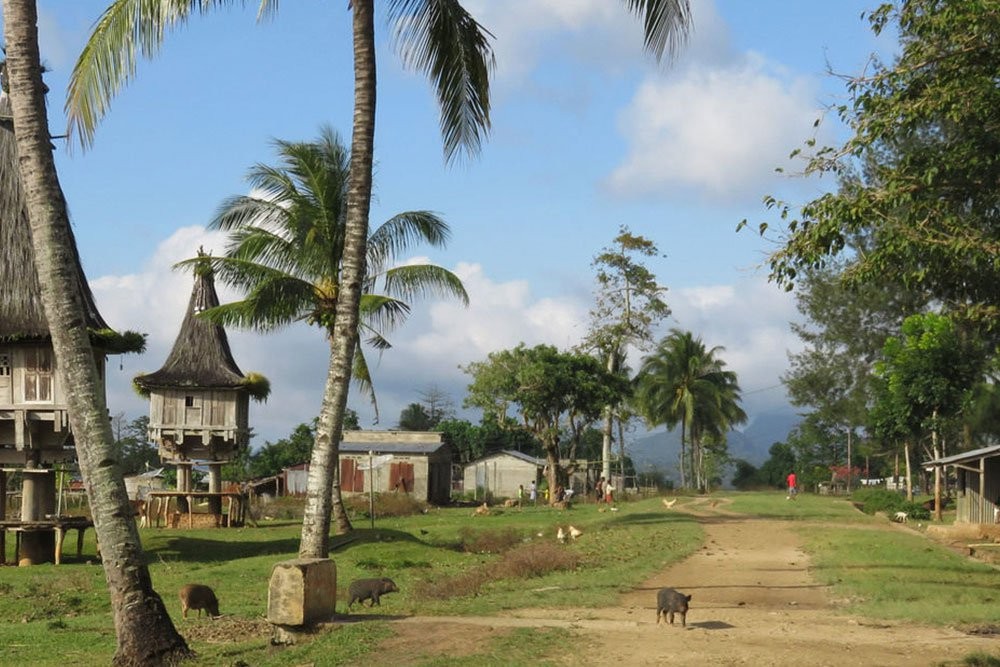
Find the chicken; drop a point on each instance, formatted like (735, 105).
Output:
(561, 535)
(575, 532)
(669, 503)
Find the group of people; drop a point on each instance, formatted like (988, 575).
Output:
(605, 491)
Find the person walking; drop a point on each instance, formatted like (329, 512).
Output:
(520, 495)
(533, 493)
(609, 492)
(792, 486)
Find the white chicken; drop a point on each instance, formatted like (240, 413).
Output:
(669, 503)
(575, 532)
(561, 534)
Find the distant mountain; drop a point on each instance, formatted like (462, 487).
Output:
(661, 449)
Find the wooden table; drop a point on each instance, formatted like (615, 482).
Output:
(158, 505)
(59, 525)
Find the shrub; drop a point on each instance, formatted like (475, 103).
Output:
(488, 541)
(879, 500)
(386, 504)
(523, 562)
(534, 560)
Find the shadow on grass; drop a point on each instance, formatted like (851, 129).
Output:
(214, 547)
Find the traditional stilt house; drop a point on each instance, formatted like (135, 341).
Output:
(199, 400)
(35, 432)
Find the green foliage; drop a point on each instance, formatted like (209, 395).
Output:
(470, 442)
(132, 446)
(919, 174)
(546, 387)
(273, 457)
(927, 375)
(882, 500)
(415, 418)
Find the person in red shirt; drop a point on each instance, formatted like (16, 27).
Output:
(792, 489)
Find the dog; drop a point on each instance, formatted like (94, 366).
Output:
(900, 517)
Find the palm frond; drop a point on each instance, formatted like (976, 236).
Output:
(423, 280)
(381, 313)
(107, 63)
(442, 40)
(399, 233)
(363, 378)
(666, 24)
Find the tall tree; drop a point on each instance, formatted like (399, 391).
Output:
(144, 631)
(924, 140)
(683, 382)
(928, 373)
(437, 37)
(548, 389)
(286, 253)
(844, 330)
(629, 304)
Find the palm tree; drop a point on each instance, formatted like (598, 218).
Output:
(682, 382)
(286, 249)
(438, 37)
(145, 633)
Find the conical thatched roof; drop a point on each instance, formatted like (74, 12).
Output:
(201, 356)
(21, 314)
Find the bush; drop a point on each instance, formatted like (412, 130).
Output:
(386, 504)
(890, 502)
(524, 562)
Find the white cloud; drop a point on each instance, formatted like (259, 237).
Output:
(748, 319)
(719, 132)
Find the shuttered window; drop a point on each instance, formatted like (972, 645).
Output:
(38, 376)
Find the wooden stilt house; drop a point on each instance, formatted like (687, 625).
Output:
(199, 399)
(35, 432)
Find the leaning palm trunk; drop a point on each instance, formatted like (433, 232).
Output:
(316, 522)
(146, 635)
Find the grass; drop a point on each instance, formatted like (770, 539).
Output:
(53, 615)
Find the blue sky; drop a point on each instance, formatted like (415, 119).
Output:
(588, 133)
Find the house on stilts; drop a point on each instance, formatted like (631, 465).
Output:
(199, 410)
(36, 437)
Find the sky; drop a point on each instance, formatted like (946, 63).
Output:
(588, 133)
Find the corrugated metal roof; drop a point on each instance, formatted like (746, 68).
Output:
(972, 455)
(389, 447)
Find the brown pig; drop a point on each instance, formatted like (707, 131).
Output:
(198, 596)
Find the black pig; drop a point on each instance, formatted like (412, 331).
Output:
(369, 589)
(669, 601)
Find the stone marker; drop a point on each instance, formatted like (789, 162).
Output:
(302, 592)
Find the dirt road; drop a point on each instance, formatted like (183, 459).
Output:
(754, 603)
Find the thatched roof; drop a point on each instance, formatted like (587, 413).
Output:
(22, 317)
(201, 356)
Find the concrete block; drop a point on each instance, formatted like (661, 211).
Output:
(302, 591)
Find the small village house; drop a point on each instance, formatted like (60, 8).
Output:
(412, 462)
(498, 475)
(977, 474)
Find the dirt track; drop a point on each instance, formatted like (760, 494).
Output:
(754, 603)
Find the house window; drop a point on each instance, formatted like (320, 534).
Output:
(189, 401)
(4, 365)
(38, 375)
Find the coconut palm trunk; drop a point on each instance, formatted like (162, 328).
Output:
(322, 489)
(145, 633)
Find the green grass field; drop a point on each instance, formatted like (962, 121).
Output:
(53, 615)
